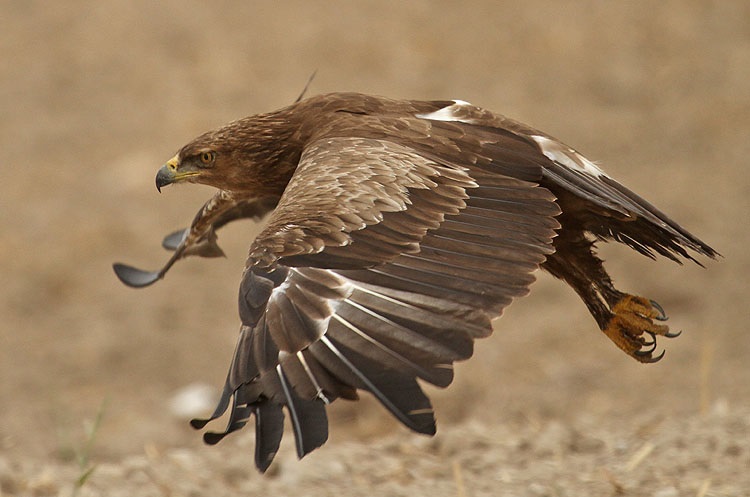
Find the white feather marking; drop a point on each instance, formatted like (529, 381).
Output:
(400, 415)
(318, 390)
(379, 295)
(449, 113)
(321, 324)
(362, 334)
(562, 154)
(286, 388)
(370, 312)
(277, 292)
(357, 331)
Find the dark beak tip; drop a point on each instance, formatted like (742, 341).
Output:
(163, 178)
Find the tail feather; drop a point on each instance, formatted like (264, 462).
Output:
(622, 215)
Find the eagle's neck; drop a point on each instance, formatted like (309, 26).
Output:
(266, 149)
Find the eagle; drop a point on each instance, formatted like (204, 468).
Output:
(398, 231)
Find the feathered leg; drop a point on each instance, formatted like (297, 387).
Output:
(627, 320)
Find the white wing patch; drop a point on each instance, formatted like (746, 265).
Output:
(450, 113)
(562, 154)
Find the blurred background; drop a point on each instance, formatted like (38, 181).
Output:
(95, 96)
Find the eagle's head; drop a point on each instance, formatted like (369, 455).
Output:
(200, 161)
(244, 156)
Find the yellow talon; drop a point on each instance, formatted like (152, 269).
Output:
(632, 318)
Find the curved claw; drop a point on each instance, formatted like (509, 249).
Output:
(174, 239)
(650, 343)
(662, 315)
(651, 360)
(673, 335)
(646, 352)
(134, 277)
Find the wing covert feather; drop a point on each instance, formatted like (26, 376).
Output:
(379, 267)
(349, 191)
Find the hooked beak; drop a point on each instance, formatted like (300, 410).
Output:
(169, 174)
(164, 177)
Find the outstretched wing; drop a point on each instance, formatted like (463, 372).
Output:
(379, 266)
(599, 204)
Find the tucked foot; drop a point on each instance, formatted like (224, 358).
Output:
(633, 329)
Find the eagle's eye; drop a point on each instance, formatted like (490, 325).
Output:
(207, 157)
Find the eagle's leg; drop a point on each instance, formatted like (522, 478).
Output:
(627, 320)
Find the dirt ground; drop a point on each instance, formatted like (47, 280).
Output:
(95, 96)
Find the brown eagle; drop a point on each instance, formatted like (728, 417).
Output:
(399, 230)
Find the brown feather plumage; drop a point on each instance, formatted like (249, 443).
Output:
(399, 230)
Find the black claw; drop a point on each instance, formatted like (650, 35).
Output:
(655, 359)
(652, 335)
(134, 277)
(645, 356)
(662, 315)
(673, 335)
(646, 352)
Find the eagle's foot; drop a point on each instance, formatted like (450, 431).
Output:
(632, 327)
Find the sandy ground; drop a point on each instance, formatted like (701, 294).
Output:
(95, 96)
